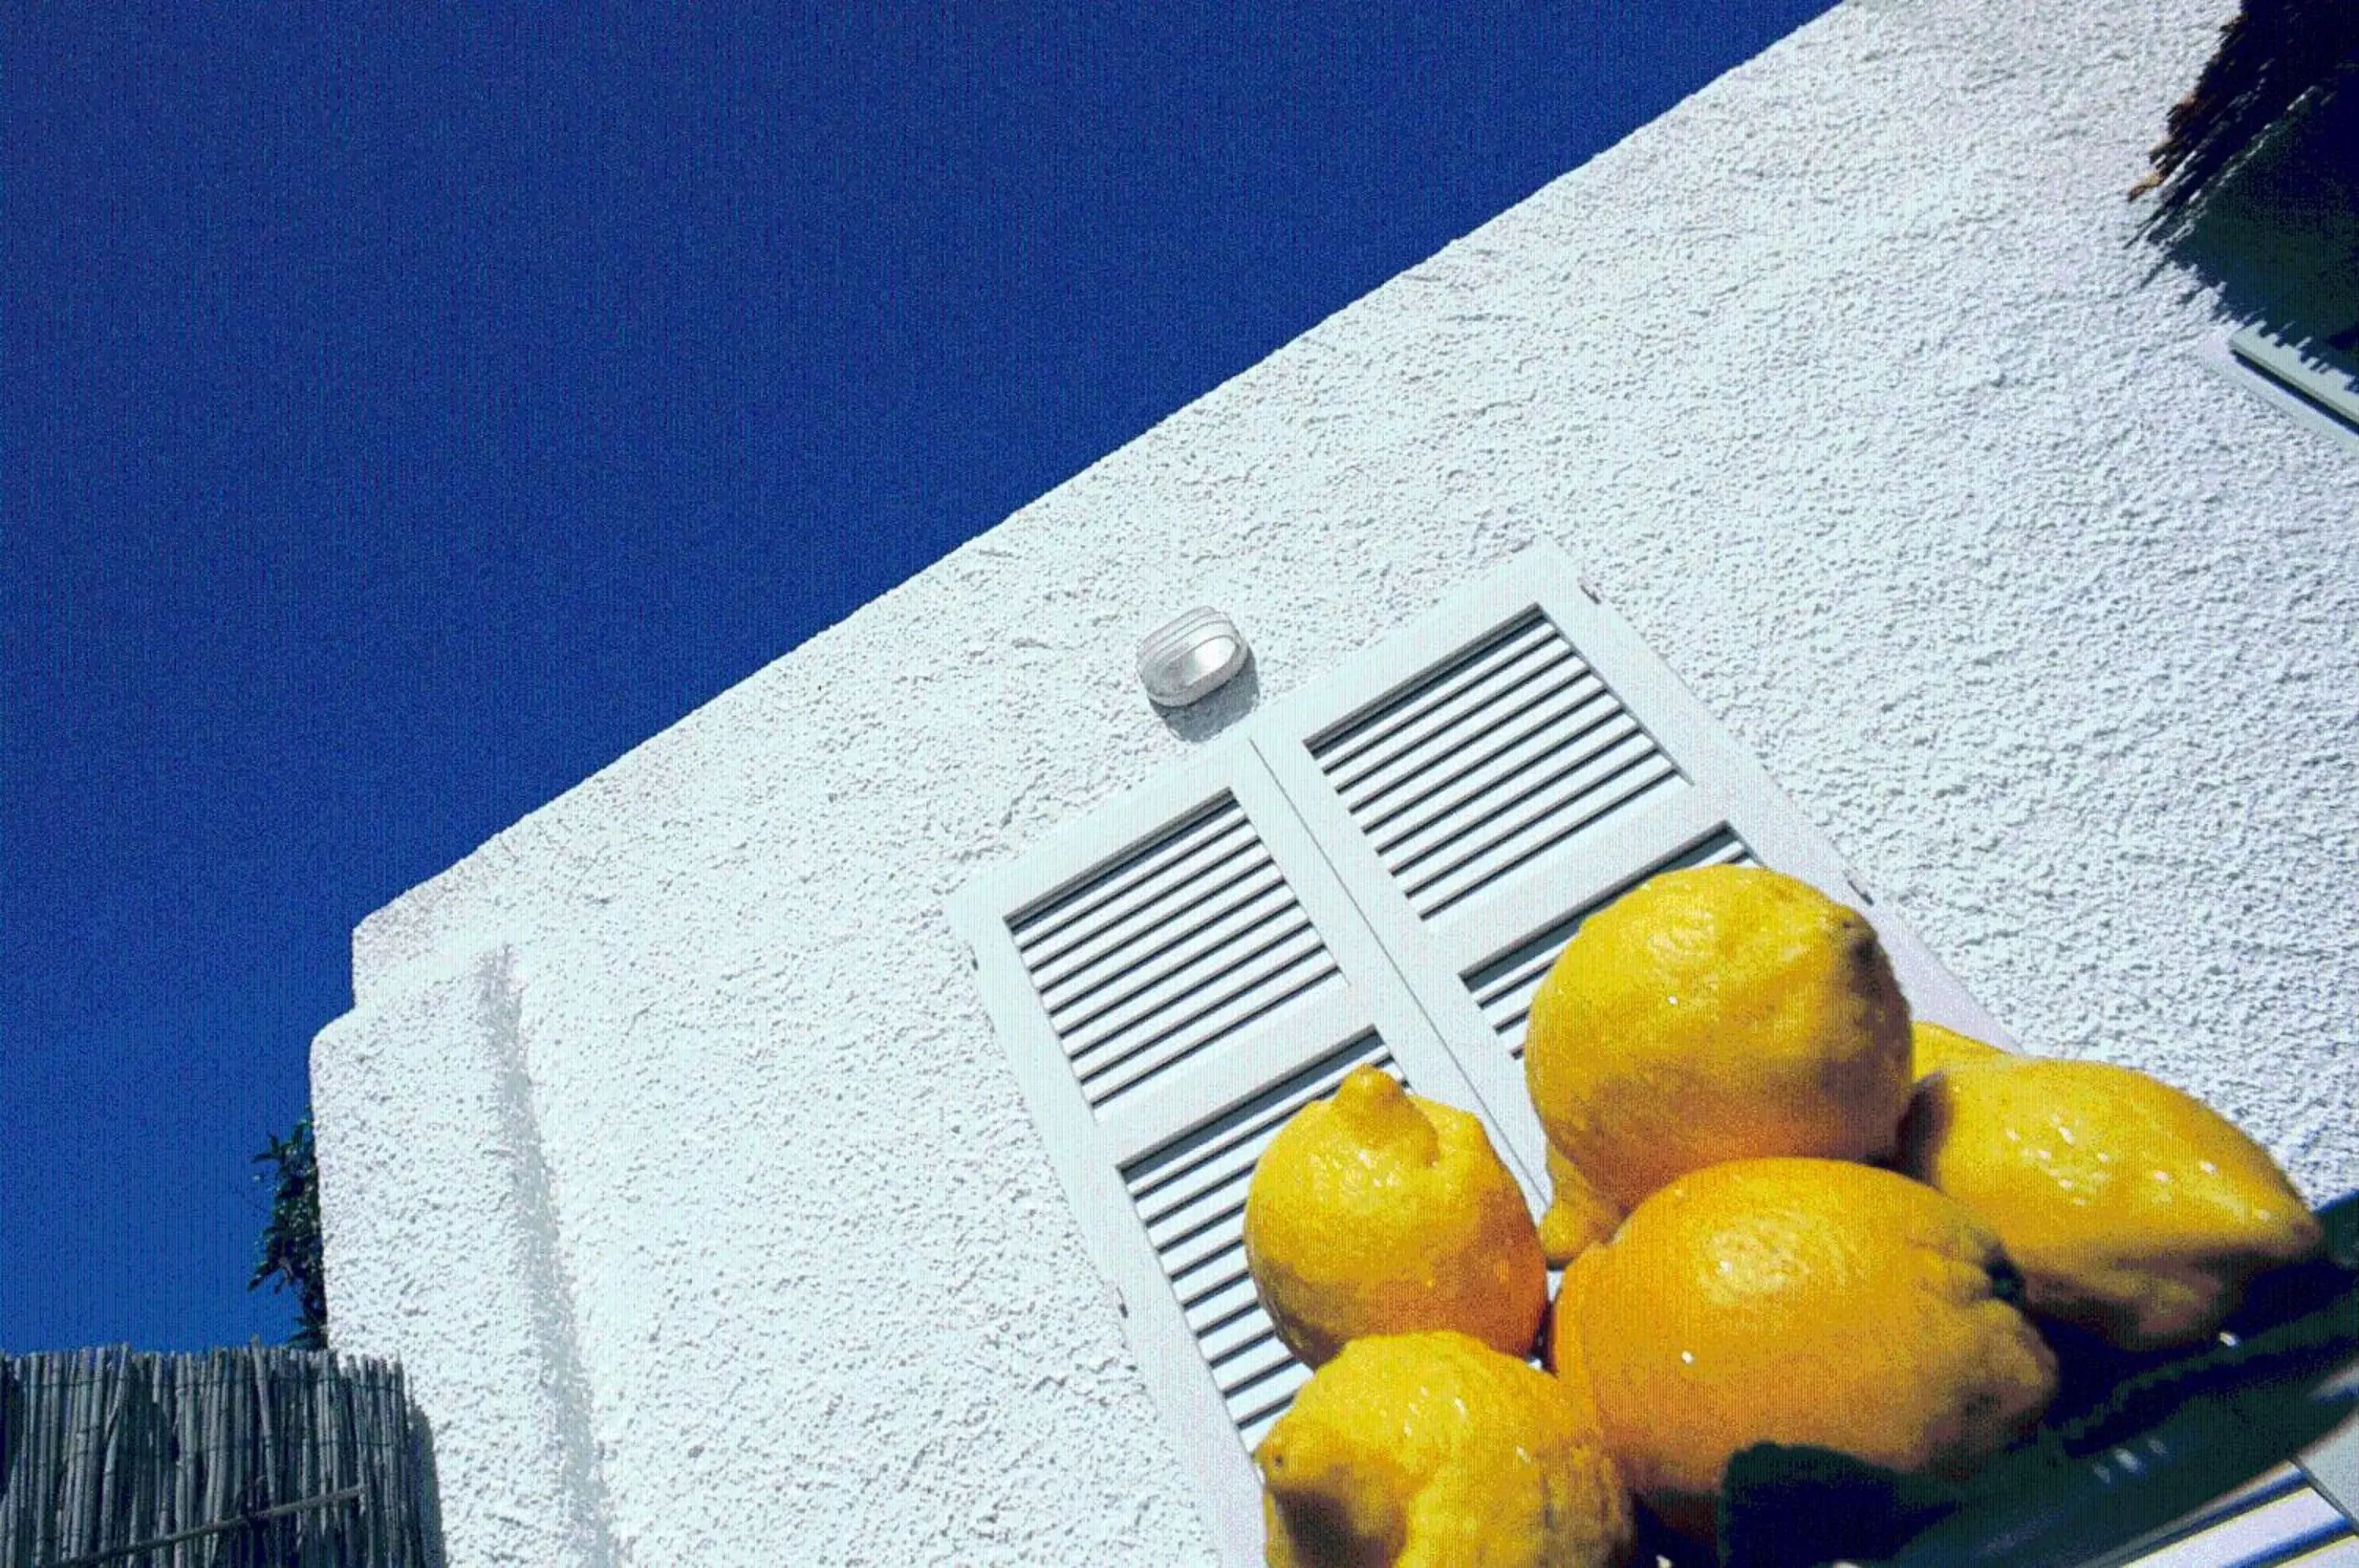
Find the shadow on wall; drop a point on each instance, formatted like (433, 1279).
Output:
(430, 1491)
(1203, 719)
(2280, 236)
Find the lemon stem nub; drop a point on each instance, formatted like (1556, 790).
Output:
(1381, 1115)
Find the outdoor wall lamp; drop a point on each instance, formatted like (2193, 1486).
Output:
(1190, 657)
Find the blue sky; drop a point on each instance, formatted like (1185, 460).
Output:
(405, 411)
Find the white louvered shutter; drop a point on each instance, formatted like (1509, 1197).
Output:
(1506, 765)
(1380, 868)
(1174, 976)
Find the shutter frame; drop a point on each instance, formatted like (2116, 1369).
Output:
(1412, 975)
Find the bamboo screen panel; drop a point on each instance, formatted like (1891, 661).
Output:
(231, 1459)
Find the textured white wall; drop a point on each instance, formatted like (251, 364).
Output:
(668, 1144)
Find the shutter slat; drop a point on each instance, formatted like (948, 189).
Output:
(1206, 987)
(1512, 747)
(1189, 1187)
(1196, 1287)
(1275, 979)
(1225, 1337)
(1054, 925)
(1350, 751)
(1176, 1224)
(1502, 788)
(1250, 1363)
(2270, 1529)
(1257, 1408)
(1480, 762)
(1514, 700)
(1216, 1275)
(1572, 803)
(1229, 872)
(1208, 1313)
(1225, 934)
(1220, 1235)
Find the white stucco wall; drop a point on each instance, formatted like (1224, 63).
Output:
(668, 1144)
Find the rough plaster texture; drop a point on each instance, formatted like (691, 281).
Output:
(668, 1144)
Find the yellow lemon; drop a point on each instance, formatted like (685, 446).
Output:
(1717, 1013)
(2134, 1210)
(1435, 1451)
(1798, 1302)
(1934, 1048)
(1379, 1212)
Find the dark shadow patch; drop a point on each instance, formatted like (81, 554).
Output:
(1202, 719)
(2279, 235)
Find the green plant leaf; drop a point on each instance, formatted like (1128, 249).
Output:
(288, 1254)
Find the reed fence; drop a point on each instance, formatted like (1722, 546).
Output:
(260, 1457)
